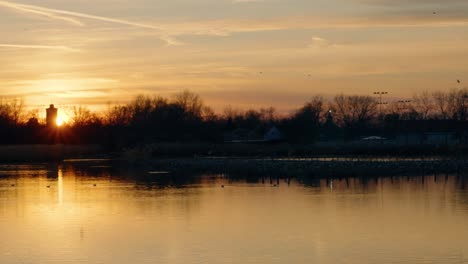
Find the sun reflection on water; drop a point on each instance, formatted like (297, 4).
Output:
(91, 210)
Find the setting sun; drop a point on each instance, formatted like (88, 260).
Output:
(59, 121)
(62, 119)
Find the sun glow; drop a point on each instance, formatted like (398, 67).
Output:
(59, 121)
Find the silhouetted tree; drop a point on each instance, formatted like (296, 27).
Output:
(423, 104)
(184, 117)
(191, 104)
(304, 124)
(354, 110)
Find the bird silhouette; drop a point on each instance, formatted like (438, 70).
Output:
(458, 81)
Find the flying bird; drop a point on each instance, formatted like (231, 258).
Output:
(434, 13)
(458, 81)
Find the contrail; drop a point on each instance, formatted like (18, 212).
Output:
(50, 12)
(29, 9)
(48, 47)
(63, 15)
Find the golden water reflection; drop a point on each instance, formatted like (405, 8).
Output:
(57, 213)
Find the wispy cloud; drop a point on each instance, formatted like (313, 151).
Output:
(55, 14)
(71, 17)
(229, 27)
(246, 1)
(45, 47)
(167, 31)
(36, 11)
(319, 42)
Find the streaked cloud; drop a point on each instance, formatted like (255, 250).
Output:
(70, 16)
(45, 47)
(318, 42)
(411, 2)
(52, 13)
(39, 11)
(301, 46)
(228, 27)
(246, 1)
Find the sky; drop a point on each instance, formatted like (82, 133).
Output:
(243, 53)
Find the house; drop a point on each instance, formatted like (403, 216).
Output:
(435, 132)
(273, 135)
(409, 138)
(440, 138)
(242, 135)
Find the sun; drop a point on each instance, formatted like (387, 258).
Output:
(59, 121)
(62, 119)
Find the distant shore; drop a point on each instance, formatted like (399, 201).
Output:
(284, 160)
(274, 160)
(341, 149)
(146, 152)
(312, 167)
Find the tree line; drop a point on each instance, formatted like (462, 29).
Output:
(185, 117)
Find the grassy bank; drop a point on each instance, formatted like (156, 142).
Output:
(199, 155)
(283, 168)
(44, 153)
(285, 160)
(164, 150)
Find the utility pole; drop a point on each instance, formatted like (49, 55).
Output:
(380, 94)
(402, 105)
(464, 96)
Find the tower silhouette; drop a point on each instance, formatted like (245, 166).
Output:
(51, 116)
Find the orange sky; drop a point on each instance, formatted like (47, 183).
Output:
(83, 53)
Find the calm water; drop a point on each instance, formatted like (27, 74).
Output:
(87, 212)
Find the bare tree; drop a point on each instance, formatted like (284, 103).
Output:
(82, 116)
(231, 113)
(355, 110)
(457, 104)
(441, 103)
(208, 114)
(423, 104)
(190, 102)
(268, 115)
(11, 110)
(119, 115)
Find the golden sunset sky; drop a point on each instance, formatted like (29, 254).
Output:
(245, 53)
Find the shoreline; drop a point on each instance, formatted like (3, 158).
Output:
(277, 168)
(307, 168)
(60, 152)
(145, 158)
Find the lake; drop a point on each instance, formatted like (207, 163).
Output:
(92, 212)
